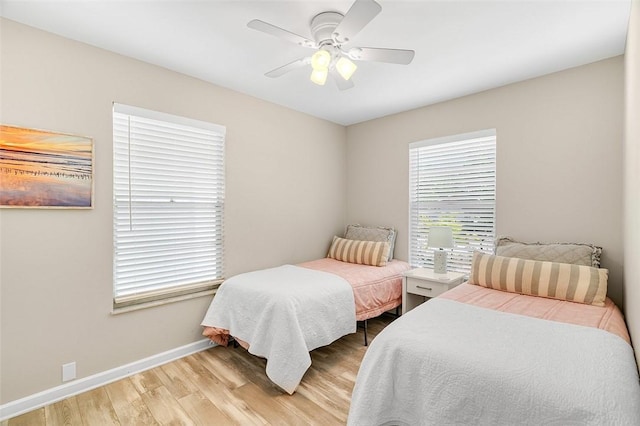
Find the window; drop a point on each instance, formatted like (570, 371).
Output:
(168, 192)
(452, 182)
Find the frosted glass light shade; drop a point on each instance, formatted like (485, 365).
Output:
(440, 237)
(321, 60)
(345, 68)
(319, 77)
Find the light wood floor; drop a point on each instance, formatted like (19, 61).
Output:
(219, 386)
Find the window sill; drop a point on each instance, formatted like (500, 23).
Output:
(178, 296)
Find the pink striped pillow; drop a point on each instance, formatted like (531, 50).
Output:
(564, 281)
(374, 253)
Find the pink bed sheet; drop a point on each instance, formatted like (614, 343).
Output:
(221, 336)
(376, 289)
(607, 317)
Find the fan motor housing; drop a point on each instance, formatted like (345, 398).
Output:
(323, 26)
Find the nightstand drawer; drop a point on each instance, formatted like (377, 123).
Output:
(425, 288)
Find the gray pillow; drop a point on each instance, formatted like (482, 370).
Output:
(371, 233)
(574, 253)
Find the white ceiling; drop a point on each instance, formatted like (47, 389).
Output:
(462, 47)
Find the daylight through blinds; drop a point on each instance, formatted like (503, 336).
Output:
(168, 201)
(452, 182)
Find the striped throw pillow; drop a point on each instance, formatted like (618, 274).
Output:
(374, 253)
(564, 281)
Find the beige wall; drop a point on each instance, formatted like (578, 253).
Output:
(559, 179)
(559, 159)
(286, 173)
(632, 178)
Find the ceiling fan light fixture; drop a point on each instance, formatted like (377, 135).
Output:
(330, 31)
(319, 76)
(345, 67)
(321, 60)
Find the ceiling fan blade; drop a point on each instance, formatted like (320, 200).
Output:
(392, 56)
(341, 82)
(265, 27)
(286, 68)
(358, 16)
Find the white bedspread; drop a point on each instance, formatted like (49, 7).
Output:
(283, 313)
(447, 362)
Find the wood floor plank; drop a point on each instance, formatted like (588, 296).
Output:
(128, 404)
(285, 409)
(32, 418)
(164, 407)
(65, 412)
(203, 411)
(323, 393)
(174, 379)
(270, 409)
(223, 371)
(232, 406)
(146, 381)
(339, 364)
(307, 412)
(96, 408)
(249, 366)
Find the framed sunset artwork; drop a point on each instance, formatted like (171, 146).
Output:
(45, 169)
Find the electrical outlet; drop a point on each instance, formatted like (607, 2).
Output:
(68, 371)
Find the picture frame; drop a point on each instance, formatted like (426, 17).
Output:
(45, 169)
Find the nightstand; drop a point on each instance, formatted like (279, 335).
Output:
(422, 283)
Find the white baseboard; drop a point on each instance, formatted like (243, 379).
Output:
(49, 396)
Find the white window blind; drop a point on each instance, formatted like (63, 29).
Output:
(452, 182)
(168, 203)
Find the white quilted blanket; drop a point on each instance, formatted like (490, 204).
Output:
(447, 362)
(283, 313)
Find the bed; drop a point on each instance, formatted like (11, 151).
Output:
(528, 346)
(283, 313)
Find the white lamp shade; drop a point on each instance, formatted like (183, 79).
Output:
(321, 60)
(319, 76)
(345, 68)
(440, 237)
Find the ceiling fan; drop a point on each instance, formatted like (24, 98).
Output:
(331, 31)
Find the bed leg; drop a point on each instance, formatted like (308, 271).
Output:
(366, 342)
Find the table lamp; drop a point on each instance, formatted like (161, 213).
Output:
(440, 237)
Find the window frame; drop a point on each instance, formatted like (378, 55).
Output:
(186, 196)
(462, 204)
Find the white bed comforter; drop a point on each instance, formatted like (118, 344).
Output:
(283, 313)
(447, 362)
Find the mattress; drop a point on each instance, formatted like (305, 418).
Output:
(376, 289)
(608, 318)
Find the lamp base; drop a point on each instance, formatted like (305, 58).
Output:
(440, 262)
